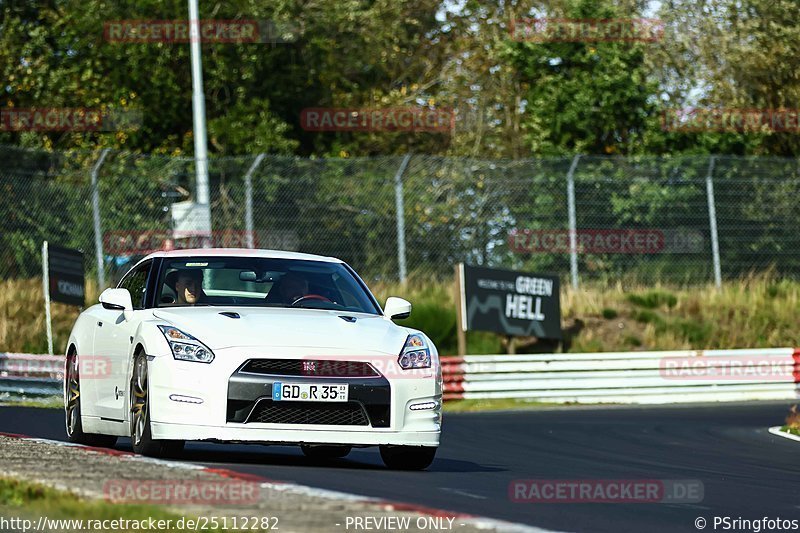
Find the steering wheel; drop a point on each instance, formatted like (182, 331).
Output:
(311, 297)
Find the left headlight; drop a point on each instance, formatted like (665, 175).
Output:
(185, 347)
(415, 354)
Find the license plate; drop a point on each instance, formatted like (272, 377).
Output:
(309, 392)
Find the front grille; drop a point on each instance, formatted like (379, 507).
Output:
(339, 414)
(311, 368)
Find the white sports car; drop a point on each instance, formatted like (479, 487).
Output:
(252, 346)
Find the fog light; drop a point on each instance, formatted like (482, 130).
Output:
(423, 406)
(185, 399)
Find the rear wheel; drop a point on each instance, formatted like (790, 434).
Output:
(72, 409)
(325, 452)
(408, 457)
(141, 437)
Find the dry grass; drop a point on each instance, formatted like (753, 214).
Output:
(793, 419)
(756, 311)
(22, 317)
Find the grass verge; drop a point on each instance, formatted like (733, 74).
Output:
(500, 404)
(791, 430)
(30, 501)
(54, 402)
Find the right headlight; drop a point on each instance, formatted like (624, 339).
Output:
(415, 354)
(185, 347)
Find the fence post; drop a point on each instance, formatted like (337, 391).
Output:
(248, 201)
(46, 289)
(573, 224)
(401, 219)
(98, 237)
(712, 220)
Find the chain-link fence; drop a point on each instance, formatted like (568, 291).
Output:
(681, 220)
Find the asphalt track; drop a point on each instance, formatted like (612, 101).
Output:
(746, 472)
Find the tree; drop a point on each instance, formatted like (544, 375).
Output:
(55, 54)
(733, 55)
(585, 97)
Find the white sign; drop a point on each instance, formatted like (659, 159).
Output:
(191, 219)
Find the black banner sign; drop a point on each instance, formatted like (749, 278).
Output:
(65, 269)
(513, 303)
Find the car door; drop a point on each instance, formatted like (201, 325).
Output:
(112, 345)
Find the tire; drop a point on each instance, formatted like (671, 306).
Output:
(325, 452)
(141, 437)
(408, 457)
(72, 409)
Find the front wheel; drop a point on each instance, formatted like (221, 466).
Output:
(408, 457)
(141, 437)
(72, 409)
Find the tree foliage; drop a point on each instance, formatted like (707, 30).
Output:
(512, 99)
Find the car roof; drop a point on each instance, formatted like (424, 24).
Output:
(241, 252)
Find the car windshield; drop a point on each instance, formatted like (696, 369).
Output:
(254, 281)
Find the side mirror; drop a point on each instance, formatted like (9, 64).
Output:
(397, 308)
(117, 299)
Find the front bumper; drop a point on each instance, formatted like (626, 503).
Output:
(225, 398)
(252, 434)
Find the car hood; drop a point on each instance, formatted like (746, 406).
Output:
(298, 328)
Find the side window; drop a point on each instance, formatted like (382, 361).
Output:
(136, 283)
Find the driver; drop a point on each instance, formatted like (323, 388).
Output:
(189, 286)
(293, 287)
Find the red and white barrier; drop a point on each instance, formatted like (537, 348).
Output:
(627, 377)
(31, 375)
(611, 377)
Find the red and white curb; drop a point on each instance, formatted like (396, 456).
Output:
(463, 519)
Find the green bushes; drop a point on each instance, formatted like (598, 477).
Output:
(438, 322)
(609, 313)
(653, 299)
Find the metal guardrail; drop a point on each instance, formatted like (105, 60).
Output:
(27, 375)
(627, 377)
